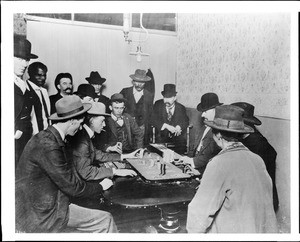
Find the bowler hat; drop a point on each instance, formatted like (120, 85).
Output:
(248, 113)
(68, 107)
(84, 90)
(140, 76)
(229, 118)
(98, 109)
(118, 97)
(208, 101)
(169, 90)
(22, 48)
(95, 78)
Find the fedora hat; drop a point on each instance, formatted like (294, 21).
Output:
(169, 90)
(229, 118)
(208, 101)
(248, 113)
(118, 97)
(95, 78)
(22, 48)
(84, 90)
(140, 76)
(98, 109)
(68, 107)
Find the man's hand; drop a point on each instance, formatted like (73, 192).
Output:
(178, 130)
(106, 183)
(171, 128)
(188, 160)
(124, 172)
(116, 148)
(135, 154)
(18, 134)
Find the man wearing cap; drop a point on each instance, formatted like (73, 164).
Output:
(97, 82)
(86, 92)
(23, 103)
(205, 148)
(46, 179)
(37, 72)
(122, 128)
(139, 101)
(235, 194)
(258, 144)
(88, 160)
(170, 119)
(64, 86)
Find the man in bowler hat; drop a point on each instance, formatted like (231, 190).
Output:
(258, 144)
(46, 179)
(23, 103)
(205, 147)
(170, 119)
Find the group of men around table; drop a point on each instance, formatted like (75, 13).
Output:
(56, 162)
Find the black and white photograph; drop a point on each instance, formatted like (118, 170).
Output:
(150, 120)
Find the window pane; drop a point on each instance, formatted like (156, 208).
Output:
(159, 21)
(66, 16)
(101, 18)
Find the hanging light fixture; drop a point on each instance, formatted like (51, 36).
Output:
(139, 53)
(126, 26)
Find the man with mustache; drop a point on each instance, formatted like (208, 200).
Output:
(205, 147)
(64, 85)
(37, 72)
(23, 104)
(170, 119)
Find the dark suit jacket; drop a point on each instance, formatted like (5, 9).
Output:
(44, 181)
(160, 116)
(53, 100)
(135, 134)
(208, 150)
(259, 145)
(85, 157)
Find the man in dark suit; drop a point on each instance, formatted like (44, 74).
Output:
(37, 72)
(139, 101)
(259, 145)
(170, 119)
(64, 85)
(46, 179)
(122, 128)
(205, 147)
(23, 103)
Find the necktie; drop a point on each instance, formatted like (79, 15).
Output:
(45, 106)
(169, 114)
(120, 121)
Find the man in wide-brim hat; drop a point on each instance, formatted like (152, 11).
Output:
(204, 147)
(258, 144)
(235, 190)
(45, 179)
(139, 101)
(23, 105)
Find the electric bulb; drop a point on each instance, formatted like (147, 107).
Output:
(139, 57)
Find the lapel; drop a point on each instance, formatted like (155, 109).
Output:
(56, 134)
(127, 125)
(87, 138)
(112, 126)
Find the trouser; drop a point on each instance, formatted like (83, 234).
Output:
(91, 220)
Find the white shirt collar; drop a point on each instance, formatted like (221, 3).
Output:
(60, 132)
(90, 132)
(20, 83)
(137, 92)
(34, 86)
(114, 117)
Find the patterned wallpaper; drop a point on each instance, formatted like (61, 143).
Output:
(241, 57)
(19, 24)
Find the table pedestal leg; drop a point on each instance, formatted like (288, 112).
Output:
(169, 221)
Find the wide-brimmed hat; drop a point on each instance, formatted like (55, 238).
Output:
(22, 48)
(208, 101)
(84, 90)
(229, 118)
(95, 78)
(169, 90)
(68, 107)
(248, 113)
(118, 97)
(98, 109)
(140, 76)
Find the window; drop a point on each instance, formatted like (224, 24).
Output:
(100, 18)
(66, 16)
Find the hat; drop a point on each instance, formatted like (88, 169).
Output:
(98, 109)
(84, 90)
(22, 48)
(248, 113)
(68, 107)
(140, 76)
(95, 78)
(118, 97)
(208, 101)
(229, 118)
(169, 90)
